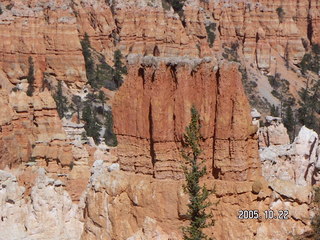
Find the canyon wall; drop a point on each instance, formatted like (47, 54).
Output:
(39, 29)
(171, 66)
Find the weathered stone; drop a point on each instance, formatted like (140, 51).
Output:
(156, 104)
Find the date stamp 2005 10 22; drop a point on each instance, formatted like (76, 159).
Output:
(267, 214)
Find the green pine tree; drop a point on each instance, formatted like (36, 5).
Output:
(30, 77)
(198, 195)
(91, 125)
(109, 137)
(289, 122)
(77, 105)
(105, 75)
(274, 111)
(102, 98)
(61, 101)
(119, 68)
(88, 59)
(315, 223)
(310, 105)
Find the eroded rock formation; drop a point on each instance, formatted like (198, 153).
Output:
(171, 67)
(155, 103)
(38, 29)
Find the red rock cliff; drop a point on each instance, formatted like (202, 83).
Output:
(152, 109)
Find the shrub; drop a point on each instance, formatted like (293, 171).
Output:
(316, 49)
(177, 6)
(309, 105)
(211, 28)
(280, 13)
(109, 137)
(9, 6)
(165, 5)
(231, 54)
(310, 61)
(274, 81)
(119, 68)
(61, 101)
(91, 125)
(30, 77)
(89, 63)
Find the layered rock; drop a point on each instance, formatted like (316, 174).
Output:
(266, 31)
(156, 102)
(155, 209)
(35, 125)
(38, 29)
(32, 136)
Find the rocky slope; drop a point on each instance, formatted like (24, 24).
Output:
(53, 180)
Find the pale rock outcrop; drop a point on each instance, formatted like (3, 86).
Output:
(294, 162)
(47, 214)
(274, 133)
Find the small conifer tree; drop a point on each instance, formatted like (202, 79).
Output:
(119, 68)
(91, 125)
(310, 105)
(274, 111)
(77, 103)
(315, 223)
(102, 98)
(198, 195)
(109, 137)
(289, 122)
(89, 63)
(30, 77)
(61, 101)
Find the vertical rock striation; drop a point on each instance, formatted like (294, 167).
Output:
(152, 109)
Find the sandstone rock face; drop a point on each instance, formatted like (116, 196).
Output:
(155, 209)
(156, 102)
(296, 162)
(48, 214)
(32, 136)
(35, 125)
(265, 33)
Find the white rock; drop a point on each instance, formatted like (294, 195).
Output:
(292, 162)
(255, 113)
(48, 214)
(114, 167)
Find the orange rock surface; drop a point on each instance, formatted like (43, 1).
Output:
(152, 109)
(50, 33)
